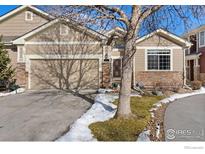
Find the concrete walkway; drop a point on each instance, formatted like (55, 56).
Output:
(185, 119)
(39, 115)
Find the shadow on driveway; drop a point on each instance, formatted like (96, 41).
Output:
(40, 115)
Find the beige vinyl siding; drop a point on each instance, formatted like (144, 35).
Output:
(139, 60)
(52, 33)
(16, 25)
(178, 59)
(157, 40)
(63, 49)
(41, 43)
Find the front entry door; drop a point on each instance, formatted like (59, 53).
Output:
(117, 64)
(191, 70)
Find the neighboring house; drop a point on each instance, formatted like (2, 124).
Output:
(195, 56)
(58, 53)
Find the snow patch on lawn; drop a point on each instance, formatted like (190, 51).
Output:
(101, 110)
(17, 91)
(103, 91)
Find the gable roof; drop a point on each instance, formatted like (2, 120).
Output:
(117, 31)
(166, 34)
(21, 39)
(18, 9)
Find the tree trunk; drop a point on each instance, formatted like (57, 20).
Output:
(124, 109)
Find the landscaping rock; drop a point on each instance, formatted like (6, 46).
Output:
(183, 90)
(168, 93)
(144, 136)
(157, 93)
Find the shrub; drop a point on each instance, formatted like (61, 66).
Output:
(196, 85)
(6, 70)
(203, 83)
(115, 85)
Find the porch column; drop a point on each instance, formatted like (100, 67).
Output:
(196, 69)
(106, 72)
(106, 67)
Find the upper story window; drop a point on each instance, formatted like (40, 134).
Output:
(28, 16)
(21, 54)
(159, 59)
(193, 40)
(63, 30)
(202, 38)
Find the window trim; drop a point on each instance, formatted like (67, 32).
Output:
(146, 58)
(26, 13)
(19, 60)
(200, 39)
(65, 30)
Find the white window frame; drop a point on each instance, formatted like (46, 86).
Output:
(26, 16)
(66, 30)
(146, 58)
(19, 59)
(200, 39)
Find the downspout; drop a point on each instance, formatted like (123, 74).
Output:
(184, 67)
(133, 67)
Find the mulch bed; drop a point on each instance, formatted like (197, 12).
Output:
(158, 120)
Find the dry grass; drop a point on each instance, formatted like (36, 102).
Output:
(120, 129)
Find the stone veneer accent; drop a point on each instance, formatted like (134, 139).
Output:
(106, 74)
(21, 75)
(168, 80)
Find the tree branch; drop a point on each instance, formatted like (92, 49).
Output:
(150, 11)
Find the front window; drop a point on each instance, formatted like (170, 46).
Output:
(158, 60)
(201, 37)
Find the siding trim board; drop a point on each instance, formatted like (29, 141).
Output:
(62, 43)
(159, 47)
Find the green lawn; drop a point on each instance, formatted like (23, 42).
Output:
(120, 129)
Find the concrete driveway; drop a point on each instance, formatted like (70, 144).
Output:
(39, 116)
(185, 119)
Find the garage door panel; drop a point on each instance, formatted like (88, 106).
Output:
(66, 74)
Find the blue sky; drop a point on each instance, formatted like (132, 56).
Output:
(179, 30)
(6, 8)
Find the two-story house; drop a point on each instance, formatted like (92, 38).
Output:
(50, 52)
(195, 56)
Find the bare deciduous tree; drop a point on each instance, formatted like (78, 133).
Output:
(134, 20)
